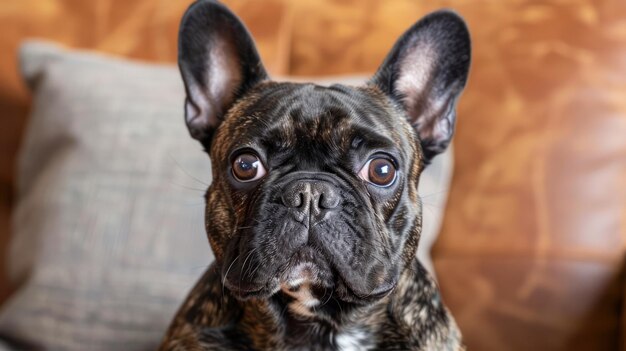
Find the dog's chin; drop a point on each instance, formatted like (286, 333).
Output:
(340, 292)
(316, 275)
(301, 270)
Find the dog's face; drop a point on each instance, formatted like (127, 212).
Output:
(317, 186)
(314, 185)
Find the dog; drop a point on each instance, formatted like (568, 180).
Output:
(313, 213)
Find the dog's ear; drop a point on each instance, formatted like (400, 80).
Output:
(218, 62)
(425, 72)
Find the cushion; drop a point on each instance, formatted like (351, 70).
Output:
(107, 231)
(108, 226)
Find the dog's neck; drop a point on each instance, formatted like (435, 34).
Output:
(275, 324)
(412, 317)
(334, 327)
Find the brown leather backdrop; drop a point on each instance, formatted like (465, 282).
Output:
(531, 252)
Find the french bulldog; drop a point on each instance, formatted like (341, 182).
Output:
(313, 213)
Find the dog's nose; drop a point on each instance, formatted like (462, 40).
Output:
(311, 196)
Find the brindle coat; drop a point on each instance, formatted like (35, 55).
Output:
(365, 290)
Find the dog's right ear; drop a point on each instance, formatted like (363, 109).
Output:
(218, 62)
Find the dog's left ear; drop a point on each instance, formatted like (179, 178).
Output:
(425, 72)
(219, 63)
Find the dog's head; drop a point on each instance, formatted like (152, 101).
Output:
(317, 185)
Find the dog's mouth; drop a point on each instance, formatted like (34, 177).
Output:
(308, 269)
(305, 267)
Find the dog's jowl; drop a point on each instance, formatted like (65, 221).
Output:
(313, 213)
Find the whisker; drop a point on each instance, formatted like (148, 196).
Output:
(187, 173)
(329, 297)
(226, 275)
(434, 193)
(188, 187)
(244, 266)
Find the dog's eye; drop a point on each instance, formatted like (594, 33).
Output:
(247, 167)
(379, 171)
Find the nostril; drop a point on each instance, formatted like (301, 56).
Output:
(293, 199)
(328, 200)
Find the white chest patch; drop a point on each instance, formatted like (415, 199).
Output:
(354, 340)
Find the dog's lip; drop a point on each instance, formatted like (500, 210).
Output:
(259, 290)
(251, 291)
(364, 299)
(381, 291)
(245, 294)
(247, 289)
(350, 295)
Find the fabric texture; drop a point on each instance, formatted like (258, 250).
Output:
(109, 219)
(108, 227)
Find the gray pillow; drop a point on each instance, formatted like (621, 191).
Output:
(108, 233)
